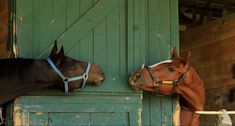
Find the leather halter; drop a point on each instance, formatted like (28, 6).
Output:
(157, 83)
(66, 80)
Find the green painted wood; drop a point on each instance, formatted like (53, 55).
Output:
(160, 39)
(36, 119)
(117, 35)
(78, 109)
(69, 119)
(42, 28)
(109, 119)
(25, 27)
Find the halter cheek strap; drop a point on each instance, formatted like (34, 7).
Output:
(66, 80)
(157, 83)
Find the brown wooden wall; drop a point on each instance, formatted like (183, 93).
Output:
(4, 20)
(212, 48)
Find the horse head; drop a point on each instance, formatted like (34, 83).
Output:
(162, 77)
(172, 76)
(73, 73)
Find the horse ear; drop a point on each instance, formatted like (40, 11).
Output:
(174, 54)
(54, 49)
(186, 58)
(59, 56)
(61, 53)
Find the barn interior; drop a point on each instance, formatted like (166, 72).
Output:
(207, 30)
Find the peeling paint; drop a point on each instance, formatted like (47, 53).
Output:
(176, 114)
(140, 117)
(127, 98)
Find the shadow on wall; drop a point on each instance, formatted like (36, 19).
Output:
(4, 16)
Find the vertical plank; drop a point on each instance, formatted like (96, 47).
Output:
(36, 119)
(146, 120)
(85, 5)
(100, 43)
(123, 41)
(59, 18)
(24, 22)
(166, 110)
(154, 31)
(72, 12)
(42, 30)
(139, 35)
(130, 43)
(164, 26)
(135, 118)
(113, 45)
(155, 110)
(174, 24)
(86, 48)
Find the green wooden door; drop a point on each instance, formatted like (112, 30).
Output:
(161, 37)
(90, 30)
(118, 35)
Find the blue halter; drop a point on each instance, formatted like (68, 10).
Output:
(66, 80)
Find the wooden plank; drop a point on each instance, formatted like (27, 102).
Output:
(85, 24)
(85, 5)
(174, 20)
(135, 118)
(155, 110)
(138, 28)
(71, 119)
(217, 75)
(110, 119)
(164, 30)
(100, 43)
(59, 19)
(88, 104)
(167, 110)
(72, 12)
(154, 32)
(130, 44)
(146, 109)
(123, 39)
(25, 27)
(113, 43)
(42, 32)
(222, 50)
(38, 118)
(87, 48)
(209, 33)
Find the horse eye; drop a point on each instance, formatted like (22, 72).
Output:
(137, 76)
(171, 69)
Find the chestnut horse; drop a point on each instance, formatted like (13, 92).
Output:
(18, 76)
(174, 76)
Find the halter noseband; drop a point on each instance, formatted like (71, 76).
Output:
(157, 83)
(66, 80)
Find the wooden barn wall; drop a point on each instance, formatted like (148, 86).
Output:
(4, 19)
(212, 49)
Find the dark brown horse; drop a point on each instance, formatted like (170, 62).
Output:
(174, 76)
(18, 76)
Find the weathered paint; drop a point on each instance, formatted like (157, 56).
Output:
(118, 35)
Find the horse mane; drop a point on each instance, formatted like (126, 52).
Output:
(13, 67)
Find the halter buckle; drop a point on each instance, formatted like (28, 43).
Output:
(66, 80)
